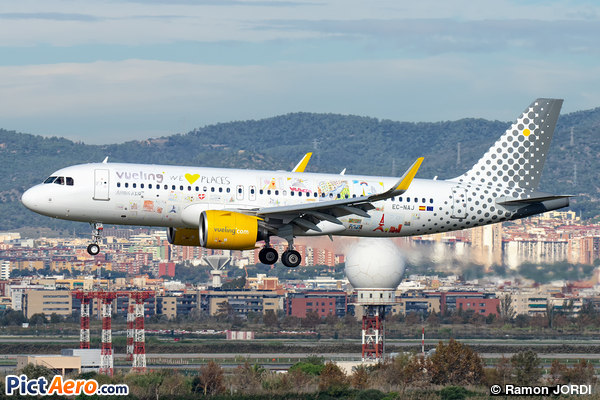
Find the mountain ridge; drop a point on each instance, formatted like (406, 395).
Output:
(362, 145)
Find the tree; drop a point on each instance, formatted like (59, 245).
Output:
(522, 321)
(557, 372)
(37, 371)
(582, 373)
(225, 311)
(210, 380)
(360, 377)
(248, 378)
(332, 379)
(456, 364)
(38, 319)
(311, 320)
(527, 369)
(270, 319)
(505, 309)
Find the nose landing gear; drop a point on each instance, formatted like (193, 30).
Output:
(94, 247)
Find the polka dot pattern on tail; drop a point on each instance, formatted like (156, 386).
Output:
(517, 159)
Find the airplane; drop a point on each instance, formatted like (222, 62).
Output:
(219, 208)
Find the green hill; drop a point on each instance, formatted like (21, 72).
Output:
(362, 145)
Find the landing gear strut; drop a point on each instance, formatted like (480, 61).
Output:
(291, 258)
(94, 247)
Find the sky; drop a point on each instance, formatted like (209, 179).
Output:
(104, 71)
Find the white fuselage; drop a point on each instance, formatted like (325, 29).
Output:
(155, 195)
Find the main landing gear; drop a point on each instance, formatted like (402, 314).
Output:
(290, 258)
(94, 247)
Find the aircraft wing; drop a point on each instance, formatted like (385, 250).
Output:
(307, 215)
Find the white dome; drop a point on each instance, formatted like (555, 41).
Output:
(374, 264)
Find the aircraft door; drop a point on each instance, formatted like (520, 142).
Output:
(101, 181)
(239, 192)
(252, 193)
(459, 202)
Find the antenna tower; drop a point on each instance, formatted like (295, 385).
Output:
(316, 146)
(458, 155)
(572, 141)
(575, 175)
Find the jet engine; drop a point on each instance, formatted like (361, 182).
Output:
(183, 237)
(229, 230)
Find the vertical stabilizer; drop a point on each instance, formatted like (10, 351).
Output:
(517, 158)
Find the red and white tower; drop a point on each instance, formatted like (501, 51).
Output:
(106, 352)
(84, 333)
(130, 329)
(139, 345)
(373, 333)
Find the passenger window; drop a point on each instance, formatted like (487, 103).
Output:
(126, 184)
(393, 198)
(60, 180)
(212, 189)
(423, 200)
(277, 193)
(292, 193)
(197, 189)
(181, 187)
(339, 195)
(141, 185)
(416, 199)
(166, 187)
(189, 188)
(149, 186)
(284, 192)
(70, 181)
(269, 191)
(261, 191)
(133, 185)
(118, 184)
(431, 201)
(399, 198)
(205, 189)
(408, 199)
(316, 194)
(228, 190)
(50, 179)
(173, 187)
(220, 190)
(252, 191)
(240, 190)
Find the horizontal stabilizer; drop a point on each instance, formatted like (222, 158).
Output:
(531, 200)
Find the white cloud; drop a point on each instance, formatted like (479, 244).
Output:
(84, 101)
(66, 23)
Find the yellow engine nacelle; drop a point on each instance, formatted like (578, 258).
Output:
(183, 237)
(228, 230)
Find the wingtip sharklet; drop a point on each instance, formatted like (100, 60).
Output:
(408, 176)
(303, 163)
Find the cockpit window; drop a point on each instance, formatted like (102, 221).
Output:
(60, 180)
(70, 181)
(50, 179)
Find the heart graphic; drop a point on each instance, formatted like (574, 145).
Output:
(192, 178)
(201, 196)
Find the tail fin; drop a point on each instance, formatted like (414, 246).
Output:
(517, 158)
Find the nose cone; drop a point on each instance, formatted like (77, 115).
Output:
(30, 199)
